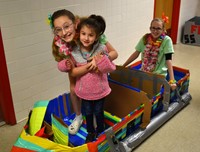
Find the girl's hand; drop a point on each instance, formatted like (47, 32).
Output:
(98, 56)
(92, 65)
(173, 86)
(68, 64)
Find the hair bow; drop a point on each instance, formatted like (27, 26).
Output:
(49, 21)
(165, 18)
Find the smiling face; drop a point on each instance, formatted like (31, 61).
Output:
(65, 28)
(156, 28)
(87, 36)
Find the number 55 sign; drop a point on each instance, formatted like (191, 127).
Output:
(191, 33)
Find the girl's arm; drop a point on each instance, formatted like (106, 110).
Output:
(67, 65)
(172, 81)
(81, 70)
(64, 65)
(131, 58)
(78, 71)
(104, 64)
(91, 66)
(112, 53)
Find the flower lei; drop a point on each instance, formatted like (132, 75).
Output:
(150, 54)
(158, 41)
(64, 48)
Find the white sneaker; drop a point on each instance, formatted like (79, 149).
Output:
(75, 125)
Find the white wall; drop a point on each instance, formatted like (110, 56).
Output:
(27, 42)
(188, 9)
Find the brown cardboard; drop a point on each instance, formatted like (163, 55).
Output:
(147, 82)
(122, 101)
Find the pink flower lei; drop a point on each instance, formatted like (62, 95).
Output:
(64, 48)
(150, 54)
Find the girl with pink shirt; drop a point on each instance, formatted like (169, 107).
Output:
(93, 86)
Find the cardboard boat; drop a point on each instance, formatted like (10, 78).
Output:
(138, 105)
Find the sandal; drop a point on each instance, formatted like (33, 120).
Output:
(75, 125)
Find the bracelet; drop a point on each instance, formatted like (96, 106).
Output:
(172, 81)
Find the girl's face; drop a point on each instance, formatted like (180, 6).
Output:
(87, 36)
(65, 28)
(156, 29)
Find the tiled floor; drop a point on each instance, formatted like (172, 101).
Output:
(182, 132)
(179, 134)
(8, 136)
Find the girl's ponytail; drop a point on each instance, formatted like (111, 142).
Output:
(100, 21)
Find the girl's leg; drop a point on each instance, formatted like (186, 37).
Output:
(88, 107)
(99, 113)
(76, 103)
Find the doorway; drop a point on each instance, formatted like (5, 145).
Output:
(1, 116)
(170, 8)
(7, 113)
